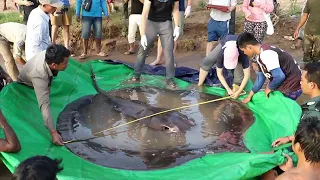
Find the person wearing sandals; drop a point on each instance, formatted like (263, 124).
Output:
(134, 23)
(92, 17)
(62, 17)
(157, 16)
(255, 21)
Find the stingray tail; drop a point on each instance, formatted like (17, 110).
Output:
(95, 84)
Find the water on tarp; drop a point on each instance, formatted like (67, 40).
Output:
(219, 128)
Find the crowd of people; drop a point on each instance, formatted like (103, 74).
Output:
(163, 20)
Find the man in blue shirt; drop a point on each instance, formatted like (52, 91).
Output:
(92, 17)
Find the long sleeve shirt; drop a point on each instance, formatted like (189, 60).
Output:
(37, 74)
(97, 8)
(16, 34)
(38, 37)
(256, 12)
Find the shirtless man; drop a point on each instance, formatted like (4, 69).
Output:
(306, 145)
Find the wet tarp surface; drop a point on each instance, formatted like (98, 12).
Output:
(274, 117)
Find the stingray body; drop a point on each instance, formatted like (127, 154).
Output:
(170, 122)
(220, 127)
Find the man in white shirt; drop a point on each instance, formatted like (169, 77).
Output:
(218, 26)
(12, 33)
(38, 36)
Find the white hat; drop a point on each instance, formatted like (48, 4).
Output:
(54, 3)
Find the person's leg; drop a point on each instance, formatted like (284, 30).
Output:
(260, 31)
(166, 37)
(86, 23)
(307, 48)
(316, 49)
(232, 22)
(212, 35)
(159, 59)
(208, 62)
(5, 5)
(132, 30)
(9, 60)
(66, 23)
(238, 74)
(248, 26)
(55, 23)
(151, 34)
(97, 28)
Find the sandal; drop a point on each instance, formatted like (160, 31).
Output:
(102, 54)
(83, 56)
(129, 53)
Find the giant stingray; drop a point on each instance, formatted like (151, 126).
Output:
(220, 127)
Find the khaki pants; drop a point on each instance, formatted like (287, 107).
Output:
(311, 48)
(10, 63)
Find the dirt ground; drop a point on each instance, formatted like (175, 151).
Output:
(191, 46)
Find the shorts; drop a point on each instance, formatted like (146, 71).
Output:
(294, 95)
(217, 30)
(87, 22)
(63, 20)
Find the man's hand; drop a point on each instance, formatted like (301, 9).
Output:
(236, 95)
(56, 138)
(280, 141)
(230, 92)
(287, 165)
(296, 34)
(8, 80)
(176, 33)
(107, 19)
(27, 3)
(78, 19)
(246, 100)
(143, 42)
(267, 91)
(187, 12)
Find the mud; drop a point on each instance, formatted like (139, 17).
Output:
(219, 128)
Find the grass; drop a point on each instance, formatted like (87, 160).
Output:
(10, 17)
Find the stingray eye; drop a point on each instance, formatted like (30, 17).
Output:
(165, 128)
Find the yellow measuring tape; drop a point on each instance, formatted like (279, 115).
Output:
(155, 114)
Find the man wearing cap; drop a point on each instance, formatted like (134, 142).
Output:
(12, 33)
(38, 38)
(227, 55)
(276, 65)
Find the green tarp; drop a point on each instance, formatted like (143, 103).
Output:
(274, 117)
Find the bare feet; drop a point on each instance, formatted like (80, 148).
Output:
(156, 62)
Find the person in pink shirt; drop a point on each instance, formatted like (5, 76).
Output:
(255, 22)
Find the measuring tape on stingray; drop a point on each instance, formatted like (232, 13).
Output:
(155, 114)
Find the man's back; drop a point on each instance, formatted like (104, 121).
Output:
(13, 31)
(299, 174)
(36, 67)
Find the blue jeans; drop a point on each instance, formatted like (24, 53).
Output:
(87, 22)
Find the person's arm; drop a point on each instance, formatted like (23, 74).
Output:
(23, 2)
(144, 17)
(11, 142)
(37, 41)
(78, 7)
(17, 51)
(5, 75)
(245, 9)
(256, 87)
(176, 14)
(104, 8)
(266, 7)
(232, 5)
(223, 80)
(278, 78)
(140, 1)
(42, 91)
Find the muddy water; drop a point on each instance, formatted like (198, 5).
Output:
(219, 128)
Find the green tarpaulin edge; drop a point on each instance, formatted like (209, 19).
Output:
(274, 117)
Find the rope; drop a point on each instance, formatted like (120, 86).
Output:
(155, 114)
